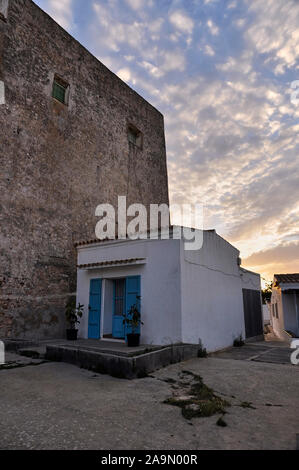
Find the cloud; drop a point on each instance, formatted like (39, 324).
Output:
(125, 74)
(173, 60)
(152, 69)
(276, 32)
(182, 21)
(281, 259)
(209, 50)
(212, 27)
(118, 33)
(231, 129)
(135, 4)
(61, 11)
(289, 252)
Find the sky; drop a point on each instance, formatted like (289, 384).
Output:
(221, 72)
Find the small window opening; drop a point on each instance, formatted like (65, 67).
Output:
(119, 298)
(60, 90)
(135, 136)
(3, 9)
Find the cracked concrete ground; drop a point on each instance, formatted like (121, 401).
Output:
(59, 406)
(14, 361)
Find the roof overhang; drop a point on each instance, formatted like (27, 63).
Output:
(289, 286)
(112, 264)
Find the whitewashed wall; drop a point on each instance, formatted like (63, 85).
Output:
(291, 318)
(187, 296)
(278, 323)
(266, 314)
(250, 280)
(212, 302)
(160, 284)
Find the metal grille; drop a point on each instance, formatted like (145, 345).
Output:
(59, 92)
(119, 300)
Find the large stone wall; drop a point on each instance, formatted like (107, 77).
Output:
(59, 162)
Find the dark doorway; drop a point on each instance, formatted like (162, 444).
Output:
(252, 313)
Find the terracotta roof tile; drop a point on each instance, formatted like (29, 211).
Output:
(287, 278)
(109, 263)
(96, 240)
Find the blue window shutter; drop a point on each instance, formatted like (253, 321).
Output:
(133, 290)
(94, 318)
(118, 327)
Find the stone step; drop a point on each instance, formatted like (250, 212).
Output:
(114, 363)
(14, 345)
(38, 352)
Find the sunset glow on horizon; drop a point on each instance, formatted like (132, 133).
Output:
(222, 73)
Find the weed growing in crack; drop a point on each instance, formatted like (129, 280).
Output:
(198, 400)
(247, 404)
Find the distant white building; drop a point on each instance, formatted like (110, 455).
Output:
(266, 313)
(285, 305)
(201, 296)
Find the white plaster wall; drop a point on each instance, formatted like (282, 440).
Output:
(160, 284)
(266, 314)
(212, 302)
(250, 280)
(186, 295)
(290, 301)
(278, 323)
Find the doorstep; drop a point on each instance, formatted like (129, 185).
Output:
(118, 360)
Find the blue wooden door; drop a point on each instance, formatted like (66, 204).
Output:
(94, 319)
(119, 298)
(132, 294)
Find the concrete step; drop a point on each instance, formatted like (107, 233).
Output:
(38, 352)
(116, 364)
(14, 345)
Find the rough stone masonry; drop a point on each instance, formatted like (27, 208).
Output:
(60, 158)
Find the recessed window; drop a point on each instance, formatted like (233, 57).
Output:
(135, 136)
(119, 296)
(3, 9)
(60, 90)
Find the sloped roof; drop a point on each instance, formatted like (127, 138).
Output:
(117, 262)
(82, 243)
(287, 278)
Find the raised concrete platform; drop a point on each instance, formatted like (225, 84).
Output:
(105, 357)
(117, 359)
(14, 345)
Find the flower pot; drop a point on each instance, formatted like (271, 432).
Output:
(71, 335)
(133, 340)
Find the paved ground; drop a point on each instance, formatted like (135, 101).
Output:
(272, 352)
(113, 346)
(59, 406)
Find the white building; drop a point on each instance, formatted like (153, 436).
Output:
(285, 305)
(201, 296)
(266, 313)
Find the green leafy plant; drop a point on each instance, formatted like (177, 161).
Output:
(133, 318)
(267, 293)
(202, 352)
(73, 313)
(239, 342)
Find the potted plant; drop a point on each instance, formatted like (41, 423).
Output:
(72, 314)
(133, 320)
(239, 342)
